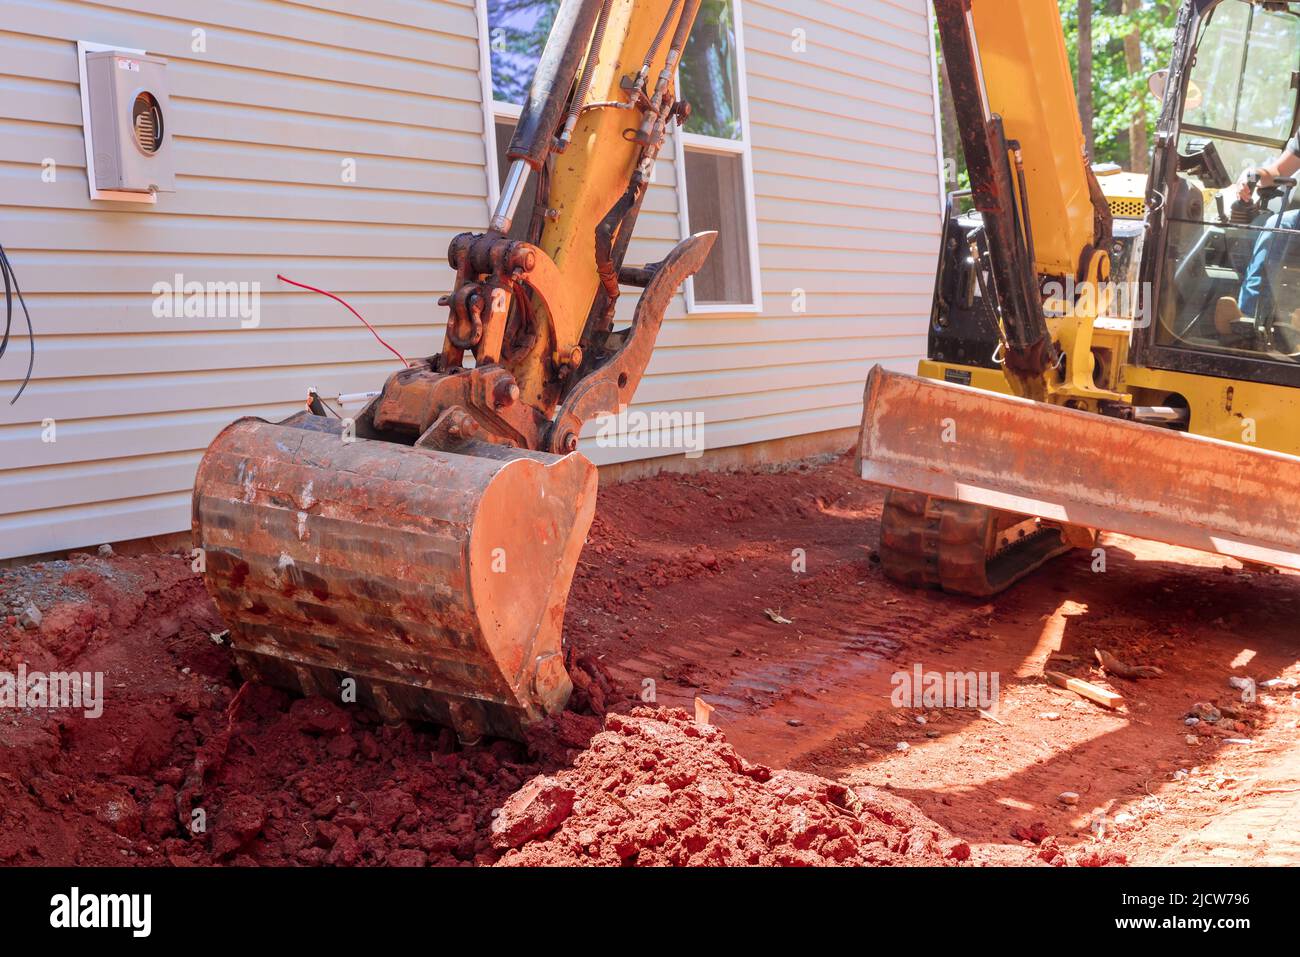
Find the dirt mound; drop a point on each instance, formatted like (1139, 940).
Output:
(307, 781)
(655, 788)
(189, 766)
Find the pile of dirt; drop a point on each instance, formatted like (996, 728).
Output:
(1051, 852)
(266, 780)
(187, 765)
(307, 781)
(656, 788)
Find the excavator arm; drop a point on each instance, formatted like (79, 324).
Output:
(421, 555)
(1043, 212)
(534, 314)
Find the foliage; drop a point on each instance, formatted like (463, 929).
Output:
(516, 35)
(1119, 93)
(708, 72)
(518, 30)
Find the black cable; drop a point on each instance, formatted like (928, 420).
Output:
(11, 288)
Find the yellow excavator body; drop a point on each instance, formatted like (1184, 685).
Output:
(1059, 399)
(1028, 93)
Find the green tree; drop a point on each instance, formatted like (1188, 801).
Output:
(1083, 73)
(1130, 40)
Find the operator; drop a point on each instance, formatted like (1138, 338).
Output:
(1269, 248)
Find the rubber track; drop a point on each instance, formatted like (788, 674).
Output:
(928, 542)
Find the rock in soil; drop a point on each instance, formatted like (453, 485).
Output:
(534, 811)
(1035, 833)
(1205, 711)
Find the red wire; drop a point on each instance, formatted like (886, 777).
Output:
(303, 285)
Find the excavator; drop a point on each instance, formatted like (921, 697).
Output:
(1095, 364)
(420, 555)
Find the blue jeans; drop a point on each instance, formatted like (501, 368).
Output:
(1265, 263)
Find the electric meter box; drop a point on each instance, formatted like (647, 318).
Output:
(129, 122)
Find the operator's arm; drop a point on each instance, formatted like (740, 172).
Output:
(1287, 163)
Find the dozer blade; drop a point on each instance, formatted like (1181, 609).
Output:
(436, 581)
(1076, 468)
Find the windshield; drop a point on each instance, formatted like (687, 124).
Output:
(1241, 83)
(1232, 278)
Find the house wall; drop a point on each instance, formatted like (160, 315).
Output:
(846, 191)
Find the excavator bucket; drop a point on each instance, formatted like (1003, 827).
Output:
(436, 581)
(421, 556)
(1075, 468)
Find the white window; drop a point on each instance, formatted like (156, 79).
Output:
(512, 34)
(715, 178)
(715, 175)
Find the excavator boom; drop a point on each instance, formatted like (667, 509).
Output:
(1042, 210)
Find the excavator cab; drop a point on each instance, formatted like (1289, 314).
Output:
(1231, 290)
(1096, 364)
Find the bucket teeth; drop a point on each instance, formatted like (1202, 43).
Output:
(431, 583)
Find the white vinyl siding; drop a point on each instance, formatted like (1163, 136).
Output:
(845, 185)
(262, 122)
(847, 196)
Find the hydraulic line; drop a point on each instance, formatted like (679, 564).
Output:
(584, 84)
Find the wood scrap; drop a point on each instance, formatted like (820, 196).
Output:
(1086, 689)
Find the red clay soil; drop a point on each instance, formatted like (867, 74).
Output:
(756, 591)
(657, 789)
(274, 780)
(812, 690)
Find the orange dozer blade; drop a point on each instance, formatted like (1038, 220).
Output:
(436, 581)
(1076, 468)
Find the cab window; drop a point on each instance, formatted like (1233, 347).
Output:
(1232, 276)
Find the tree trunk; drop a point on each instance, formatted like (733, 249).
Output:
(1139, 148)
(1085, 74)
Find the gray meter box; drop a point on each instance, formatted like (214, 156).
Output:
(128, 122)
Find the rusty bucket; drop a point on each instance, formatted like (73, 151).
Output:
(435, 581)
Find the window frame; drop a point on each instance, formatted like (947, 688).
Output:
(744, 148)
(492, 108)
(495, 110)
